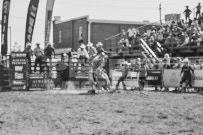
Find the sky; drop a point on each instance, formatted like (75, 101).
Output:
(124, 10)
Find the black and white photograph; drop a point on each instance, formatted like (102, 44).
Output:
(101, 67)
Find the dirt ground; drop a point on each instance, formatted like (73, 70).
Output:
(125, 113)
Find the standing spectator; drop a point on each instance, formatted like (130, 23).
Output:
(38, 52)
(124, 75)
(187, 13)
(29, 54)
(187, 72)
(130, 34)
(49, 51)
(198, 9)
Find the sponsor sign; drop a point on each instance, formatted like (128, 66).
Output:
(30, 23)
(4, 26)
(172, 17)
(154, 77)
(19, 70)
(48, 19)
(171, 77)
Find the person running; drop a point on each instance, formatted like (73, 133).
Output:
(124, 75)
(187, 72)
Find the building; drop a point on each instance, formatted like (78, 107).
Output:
(66, 34)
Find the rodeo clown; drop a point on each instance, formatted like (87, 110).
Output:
(97, 73)
(187, 72)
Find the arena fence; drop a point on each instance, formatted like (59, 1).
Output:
(57, 73)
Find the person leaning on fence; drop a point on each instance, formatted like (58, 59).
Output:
(187, 72)
(124, 75)
(38, 52)
(29, 54)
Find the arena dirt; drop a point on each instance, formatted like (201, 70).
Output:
(125, 113)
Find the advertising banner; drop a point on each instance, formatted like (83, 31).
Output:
(30, 23)
(4, 27)
(198, 79)
(19, 71)
(48, 20)
(171, 77)
(154, 78)
(172, 17)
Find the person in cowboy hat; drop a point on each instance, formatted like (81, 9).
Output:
(92, 51)
(82, 52)
(29, 54)
(187, 72)
(187, 13)
(100, 49)
(124, 75)
(38, 52)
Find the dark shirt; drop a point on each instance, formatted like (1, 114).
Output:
(49, 51)
(186, 70)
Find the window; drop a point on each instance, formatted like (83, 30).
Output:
(60, 36)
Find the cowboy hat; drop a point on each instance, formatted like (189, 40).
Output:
(83, 46)
(90, 44)
(99, 44)
(186, 60)
(128, 64)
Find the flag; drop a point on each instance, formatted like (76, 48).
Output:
(4, 27)
(30, 23)
(48, 20)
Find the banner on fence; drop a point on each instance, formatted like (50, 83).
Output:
(4, 26)
(154, 78)
(19, 71)
(30, 23)
(171, 78)
(132, 79)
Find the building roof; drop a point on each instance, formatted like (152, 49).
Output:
(110, 21)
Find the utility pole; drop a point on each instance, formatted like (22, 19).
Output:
(160, 13)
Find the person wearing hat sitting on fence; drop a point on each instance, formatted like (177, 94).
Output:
(82, 54)
(124, 75)
(38, 52)
(187, 13)
(92, 51)
(187, 72)
(29, 54)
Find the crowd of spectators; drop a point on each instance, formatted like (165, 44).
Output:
(174, 34)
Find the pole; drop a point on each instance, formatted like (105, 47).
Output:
(10, 38)
(160, 13)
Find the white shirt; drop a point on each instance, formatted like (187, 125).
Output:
(83, 53)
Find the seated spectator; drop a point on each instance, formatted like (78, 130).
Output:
(178, 63)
